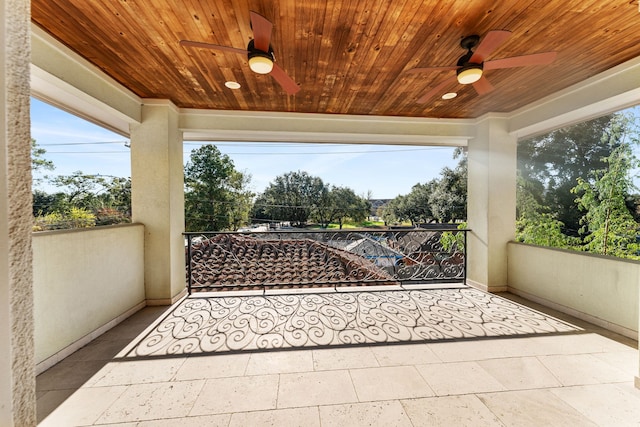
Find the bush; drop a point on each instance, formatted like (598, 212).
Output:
(74, 218)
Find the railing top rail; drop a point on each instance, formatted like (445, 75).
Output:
(315, 231)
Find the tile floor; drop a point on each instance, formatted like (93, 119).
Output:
(579, 377)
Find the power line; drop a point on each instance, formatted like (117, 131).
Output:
(88, 152)
(81, 143)
(271, 153)
(333, 153)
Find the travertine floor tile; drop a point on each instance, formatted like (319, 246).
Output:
(383, 414)
(68, 375)
(99, 349)
(344, 358)
(520, 373)
(315, 388)
(469, 350)
(458, 411)
(133, 424)
(404, 354)
(84, 407)
(238, 394)
(387, 383)
(577, 344)
(280, 362)
(294, 417)
(605, 405)
(48, 401)
(123, 372)
(458, 378)
(153, 401)
(213, 366)
(623, 360)
(533, 408)
(204, 421)
(578, 369)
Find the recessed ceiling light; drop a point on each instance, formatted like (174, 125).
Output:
(232, 85)
(449, 95)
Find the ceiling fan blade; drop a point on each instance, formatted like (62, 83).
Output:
(521, 61)
(213, 46)
(483, 86)
(436, 90)
(425, 69)
(261, 31)
(287, 83)
(489, 43)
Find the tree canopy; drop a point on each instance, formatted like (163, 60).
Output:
(442, 199)
(216, 195)
(298, 197)
(552, 163)
(575, 190)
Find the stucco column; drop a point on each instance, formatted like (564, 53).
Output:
(157, 199)
(491, 205)
(17, 365)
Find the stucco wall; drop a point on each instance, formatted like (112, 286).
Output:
(83, 280)
(599, 289)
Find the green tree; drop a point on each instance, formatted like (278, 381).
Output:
(448, 196)
(553, 162)
(118, 194)
(395, 211)
(45, 203)
(292, 197)
(81, 189)
(610, 227)
(443, 199)
(216, 195)
(535, 224)
(38, 162)
(346, 204)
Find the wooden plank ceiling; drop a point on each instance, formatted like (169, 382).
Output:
(348, 56)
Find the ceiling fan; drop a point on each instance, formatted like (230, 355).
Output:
(471, 66)
(259, 52)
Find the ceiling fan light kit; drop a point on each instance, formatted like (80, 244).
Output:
(260, 64)
(470, 73)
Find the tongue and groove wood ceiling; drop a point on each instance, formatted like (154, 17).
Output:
(348, 56)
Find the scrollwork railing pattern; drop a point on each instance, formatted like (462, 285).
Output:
(227, 324)
(295, 259)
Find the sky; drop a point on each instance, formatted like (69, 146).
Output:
(74, 144)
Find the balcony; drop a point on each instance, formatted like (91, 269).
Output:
(402, 353)
(454, 356)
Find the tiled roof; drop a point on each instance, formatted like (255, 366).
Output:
(231, 261)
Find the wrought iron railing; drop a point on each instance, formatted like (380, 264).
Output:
(324, 258)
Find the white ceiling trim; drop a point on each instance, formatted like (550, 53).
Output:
(62, 78)
(207, 125)
(613, 90)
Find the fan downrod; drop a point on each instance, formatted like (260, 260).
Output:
(469, 42)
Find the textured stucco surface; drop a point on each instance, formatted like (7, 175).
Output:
(16, 229)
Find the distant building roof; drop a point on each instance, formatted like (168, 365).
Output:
(376, 204)
(231, 261)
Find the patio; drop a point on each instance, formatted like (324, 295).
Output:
(455, 356)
